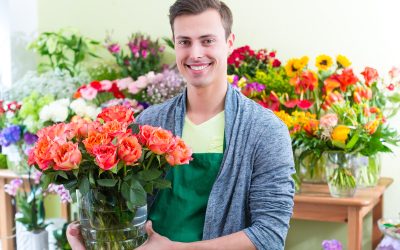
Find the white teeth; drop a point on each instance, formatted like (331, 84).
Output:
(198, 67)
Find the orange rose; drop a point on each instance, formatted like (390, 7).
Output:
(59, 132)
(42, 153)
(95, 139)
(106, 156)
(161, 141)
(129, 150)
(118, 113)
(81, 126)
(113, 128)
(146, 131)
(66, 156)
(182, 154)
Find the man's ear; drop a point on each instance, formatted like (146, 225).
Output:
(230, 41)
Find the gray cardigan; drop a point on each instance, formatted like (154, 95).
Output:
(254, 189)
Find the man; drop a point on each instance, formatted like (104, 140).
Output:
(238, 193)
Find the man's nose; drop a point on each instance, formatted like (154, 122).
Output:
(196, 51)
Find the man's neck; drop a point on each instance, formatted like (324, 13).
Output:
(205, 103)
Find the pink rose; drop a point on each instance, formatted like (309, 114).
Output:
(106, 85)
(328, 121)
(88, 93)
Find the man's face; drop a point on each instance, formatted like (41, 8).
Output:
(201, 48)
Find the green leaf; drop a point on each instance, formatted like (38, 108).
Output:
(149, 175)
(62, 174)
(84, 185)
(339, 144)
(137, 195)
(162, 183)
(135, 128)
(107, 182)
(353, 141)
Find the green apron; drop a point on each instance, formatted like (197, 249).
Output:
(178, 213)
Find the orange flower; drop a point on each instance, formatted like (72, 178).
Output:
(340, 133)
(114, 128)
(145, 133)
(345, 79)
(306, 81)
(161, 141)
(333, 98)
(60, 132)
(370, 75)
(182, 154)
(66, 156)
(119, 113)
(311, 127)
(106, 156)
(372, 126)
(42, 153)
(95, 139)
(129, 150)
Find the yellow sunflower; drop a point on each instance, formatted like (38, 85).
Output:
(323, 62)
(342, 61)
(293, 67)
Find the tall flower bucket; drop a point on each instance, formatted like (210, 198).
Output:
(107, 223)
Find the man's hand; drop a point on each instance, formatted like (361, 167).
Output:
(74, 236)
(155, 241)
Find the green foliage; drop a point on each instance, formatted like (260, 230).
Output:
(65, 50)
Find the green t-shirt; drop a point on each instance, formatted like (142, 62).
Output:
(178, 213)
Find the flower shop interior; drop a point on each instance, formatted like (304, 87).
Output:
(330, 70)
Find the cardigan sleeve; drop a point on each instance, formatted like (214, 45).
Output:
(271, 191)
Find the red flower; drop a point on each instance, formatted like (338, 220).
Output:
(370, 75)
(96, 85)
(343, 80)
(276, 63)
(106, 156)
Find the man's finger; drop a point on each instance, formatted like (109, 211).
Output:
(149, 228)
(74, 236)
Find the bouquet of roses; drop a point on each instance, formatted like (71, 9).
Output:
(113, 163)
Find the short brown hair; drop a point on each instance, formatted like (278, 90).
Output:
(194, 7)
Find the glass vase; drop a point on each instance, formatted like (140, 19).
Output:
(341, 173)
(17, 160)
(369, 171)
(107, 223)
(312, 167)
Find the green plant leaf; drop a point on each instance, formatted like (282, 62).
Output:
(107, 182)
(162, 183)
(149, 175)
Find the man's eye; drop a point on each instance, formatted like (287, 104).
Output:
(183, 42)
(208, 41)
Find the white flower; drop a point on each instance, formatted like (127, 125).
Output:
(56, 111)
(83, 109)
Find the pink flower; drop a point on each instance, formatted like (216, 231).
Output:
(106, 85)
(113, 48)
(36, 177)
(328, 121)
(12, 187)
(144, 53)
(106, 156)
(88, 93)
(124, 83)
(394, 72)
(141, 82)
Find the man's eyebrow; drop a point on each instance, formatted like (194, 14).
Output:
(201, 37)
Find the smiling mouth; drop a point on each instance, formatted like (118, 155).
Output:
(198, 67)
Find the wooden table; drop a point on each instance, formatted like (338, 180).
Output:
(315, 203)
(7, 219)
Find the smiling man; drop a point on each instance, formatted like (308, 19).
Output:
(237, 193)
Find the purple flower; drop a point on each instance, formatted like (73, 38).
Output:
(144, 44)
(255, 86)
(30, 138)
(61, 191)
(113, 48)
(10, 135)
(332, 245)
(144, 53)
(36, 177)
(12, 187)
(133, 47)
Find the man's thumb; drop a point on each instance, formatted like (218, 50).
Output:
(149, 228)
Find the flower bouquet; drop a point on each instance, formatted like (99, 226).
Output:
(112, 163)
